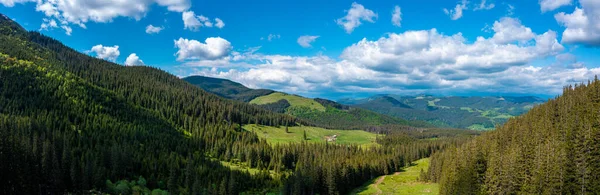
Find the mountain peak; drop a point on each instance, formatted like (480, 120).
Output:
(10, 27)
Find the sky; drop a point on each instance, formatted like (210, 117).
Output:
(338, 49)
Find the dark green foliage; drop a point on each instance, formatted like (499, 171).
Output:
(69, 122)
(329, 103)
(553, 149)
(226, 88)
(279, 107)
(421, 133)
(353, 118)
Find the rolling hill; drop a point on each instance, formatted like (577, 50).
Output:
(478, 113)
(226, 88)
(317, 111)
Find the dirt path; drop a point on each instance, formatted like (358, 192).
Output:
(377, 184)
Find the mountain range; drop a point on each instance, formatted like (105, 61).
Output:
(478, 113)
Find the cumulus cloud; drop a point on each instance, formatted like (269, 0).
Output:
(214, 48)
(150, 29)
(457, 12)
(354, 16)
(133, 60)
(306, 40)
(510, 29)
(549, 5)
(415, 62)
(193, 22)
(80, 12)
(190, 21)
(397, 16)
(583, 25)
(106, 52)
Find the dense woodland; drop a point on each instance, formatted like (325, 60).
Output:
(73, 123)
(553, 149)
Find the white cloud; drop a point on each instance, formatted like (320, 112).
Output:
(457, 12)
(133, 60)
(205, 21)
(175, 5)
(356, 14)
(397, 16)
(219, 23)
(484, 6)
(549, 5)
(306, 40)
(508, 30)
(190, 21)
(193, 22)
(413, 62)
(11, 3)
(106, 52)
(48, 23)
(583, 25)
(214, 48)
(150, 29)
(68, 29)
(80, 12)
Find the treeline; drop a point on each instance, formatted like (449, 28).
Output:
(553, 149)
(421, 133)
(353, 118)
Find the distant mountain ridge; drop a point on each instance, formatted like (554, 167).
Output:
(480, 113)
(226, 88)
(321, 112)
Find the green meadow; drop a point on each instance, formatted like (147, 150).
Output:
(406, 182)
(277, 135)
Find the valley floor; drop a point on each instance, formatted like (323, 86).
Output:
(406, 182)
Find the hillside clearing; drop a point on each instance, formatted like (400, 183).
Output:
(275, 135)
(295, 101)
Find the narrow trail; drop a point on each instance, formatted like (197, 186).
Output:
(377, 184)
(379, 181)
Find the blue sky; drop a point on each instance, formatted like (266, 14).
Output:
(318, 49)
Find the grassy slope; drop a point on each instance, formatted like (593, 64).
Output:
(403, 182)
(276, 135)
(295, 101)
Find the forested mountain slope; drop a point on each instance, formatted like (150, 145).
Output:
(478, 113)
(320, 112)
(71, 123)
(553, 149)
(226, 88)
